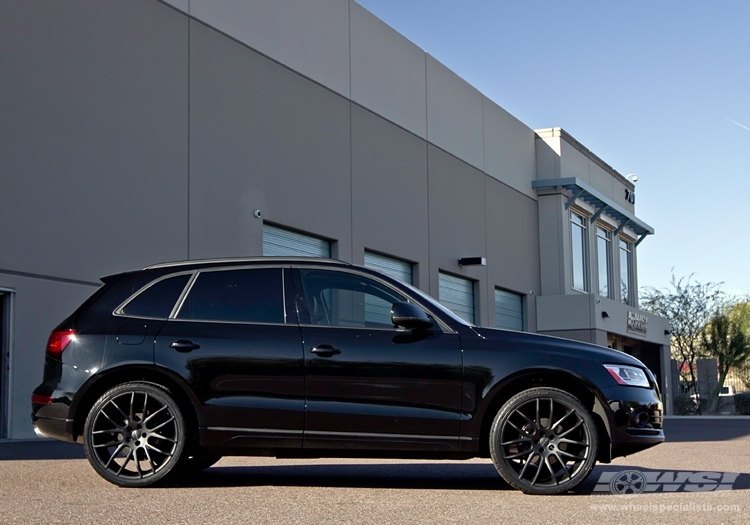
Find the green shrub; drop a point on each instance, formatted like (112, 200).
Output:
(742, 403)
(684, 405)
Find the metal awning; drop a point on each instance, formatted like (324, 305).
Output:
(602, 204)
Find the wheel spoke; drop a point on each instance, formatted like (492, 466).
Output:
(571, 429)
(168, 454)
(551, 411)
(151, 461)
(525, 465)
(117, 451)
(102, 412)
(137, 464)
(127, 460)
(582, 443)
(132, 406)
(552, 472)
(519, 454)
(145, 401)
(152, 415)
(516, 441)
(509, 422)
(562, 463)
(103, 445)
(124, 415)
(538, 470)
(157, 427)
(159, 436)
(517, 411)
(111, 431)
(579, 458)
(562, 418)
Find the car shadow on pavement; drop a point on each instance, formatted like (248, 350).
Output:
(435, 475)
(452, 476)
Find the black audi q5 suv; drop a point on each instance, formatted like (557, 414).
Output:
(166, 369)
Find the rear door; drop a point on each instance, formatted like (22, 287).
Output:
(232, 341)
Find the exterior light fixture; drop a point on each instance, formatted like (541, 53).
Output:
(472, 261)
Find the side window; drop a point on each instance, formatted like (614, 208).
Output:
(345, 299)
(252, 295)
(158, 299)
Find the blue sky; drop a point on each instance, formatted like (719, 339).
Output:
(659, 89)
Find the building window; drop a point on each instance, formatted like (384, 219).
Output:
(626, 272)
(457, 294)
(578, 251)
(508, 310)
(286, 243)
(604, 260)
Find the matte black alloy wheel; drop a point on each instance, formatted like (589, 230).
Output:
(543, 441)
(135, 435)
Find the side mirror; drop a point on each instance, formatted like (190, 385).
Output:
(410, 316)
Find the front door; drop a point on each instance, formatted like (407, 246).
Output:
(370, 385)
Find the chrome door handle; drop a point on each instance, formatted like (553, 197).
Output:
(184, 345)
(325, 350)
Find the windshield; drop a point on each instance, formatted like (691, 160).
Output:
(436, 305)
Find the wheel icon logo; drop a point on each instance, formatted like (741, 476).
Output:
(628, 482)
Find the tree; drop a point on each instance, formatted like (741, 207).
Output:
(689, 306)
(725, 338)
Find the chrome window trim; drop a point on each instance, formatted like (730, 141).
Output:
(183, 295)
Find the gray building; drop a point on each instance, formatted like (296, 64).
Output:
(146, 131)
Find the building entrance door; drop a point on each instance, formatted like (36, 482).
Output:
(4, 359)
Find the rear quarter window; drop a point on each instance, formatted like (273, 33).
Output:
(157, 300)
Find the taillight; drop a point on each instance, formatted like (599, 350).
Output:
(58, 341)
(41, 400)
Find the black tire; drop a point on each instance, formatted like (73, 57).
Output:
(135, 435)
(543, 441)
(200, 461)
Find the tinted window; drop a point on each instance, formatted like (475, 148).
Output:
(346, 299)
(159, 299)
(236, 295)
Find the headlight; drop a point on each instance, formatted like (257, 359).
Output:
(628, 375)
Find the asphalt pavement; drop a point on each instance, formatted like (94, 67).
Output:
(700, 475)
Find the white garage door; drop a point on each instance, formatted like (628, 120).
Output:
(457, 294)
(508, 310)
(395, 268)
(280, 242)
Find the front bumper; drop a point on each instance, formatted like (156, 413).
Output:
(636, 417)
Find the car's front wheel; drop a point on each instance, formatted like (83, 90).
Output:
(135, 435)
(543, 441)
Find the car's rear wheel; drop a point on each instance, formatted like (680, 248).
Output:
(135, 435)
(543, 441)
